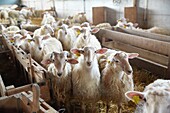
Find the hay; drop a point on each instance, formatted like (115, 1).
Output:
(36, 21)
(141, 79)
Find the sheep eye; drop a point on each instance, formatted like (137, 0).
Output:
(116, 61)
(82, 51)
(144, 99)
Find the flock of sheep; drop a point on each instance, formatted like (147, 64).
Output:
(82, 69)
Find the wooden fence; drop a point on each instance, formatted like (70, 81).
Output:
(153, 49)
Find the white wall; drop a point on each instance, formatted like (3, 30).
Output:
(158, 13)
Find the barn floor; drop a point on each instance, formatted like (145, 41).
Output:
(12, 76)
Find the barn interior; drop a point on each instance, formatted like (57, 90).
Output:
(84, 56)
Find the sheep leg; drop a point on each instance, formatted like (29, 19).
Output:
(83, 108)
(93, 108)
(107, 107)
(119, 108)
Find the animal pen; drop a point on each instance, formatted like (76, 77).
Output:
(154, 57)
(153, 49)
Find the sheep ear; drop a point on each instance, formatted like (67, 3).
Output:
(95, 30)
(23, 37)
(46, 62)
(45, 37)
(75, 51)
(31, 33)
(101, 51)
(77, 29)
(70, 17)
(135, 25)
(55, 54)
(132, 55)
(135, 96)
(72, 61)
(84, 24)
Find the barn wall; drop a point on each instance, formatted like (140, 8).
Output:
(7, 2)
(157, 13)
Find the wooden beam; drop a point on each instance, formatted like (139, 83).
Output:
(137, 41)
(144, 34)
(168, 70)
(152, 67)
(22, 88)
(2, 87)
(155, 57)
(22, 57)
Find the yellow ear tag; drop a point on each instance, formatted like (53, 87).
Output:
(29, 40)
(109, 61)
(78, 32)
(12, 41)
(124, 26)
(136, 99)
(58, 29)
(77, 54)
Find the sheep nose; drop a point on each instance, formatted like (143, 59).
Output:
(39, 48)
(88, 63)
(59, 74)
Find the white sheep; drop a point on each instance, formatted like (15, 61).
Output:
(79, 18)
(104, 26)
(14, 14)
(24, 42)
(47, 19)
(13, 21)
(43, 30)
(11, 30)
(154, 99)
(67, 36)
(86, 75)
(2, 28)
(159, 30)
(26, 13)
(59, 66)
(4, 14)
(123, 22)
(44, 45)
(86, 38)
(86, 24)
(117, 78)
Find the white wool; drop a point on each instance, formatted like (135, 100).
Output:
(159, 30)
(48, 46)
(104, 26)
(44, 30)
(86, 80)
(154, 99)
(4, 14)
(87, 39)
(47, 19)
(67, 36)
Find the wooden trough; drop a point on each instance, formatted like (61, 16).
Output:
(24, 99)
(36, 73)
(153, 49)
